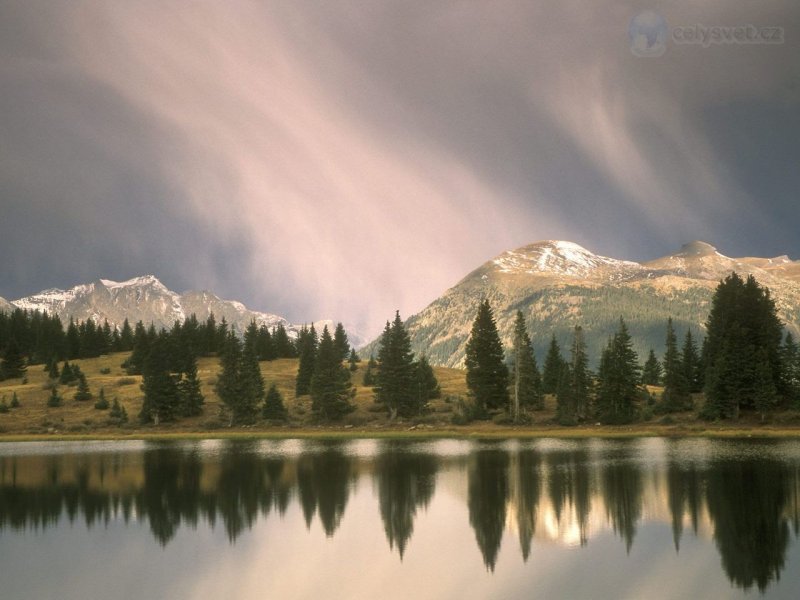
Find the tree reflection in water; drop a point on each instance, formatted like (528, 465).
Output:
(566, 493)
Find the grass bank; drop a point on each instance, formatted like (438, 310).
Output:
(34, 420)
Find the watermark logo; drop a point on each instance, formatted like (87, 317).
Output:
(649, 34)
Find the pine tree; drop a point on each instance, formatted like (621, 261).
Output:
(341, 342)
(282, 343)
(67, 374)
(251, 338)
(618, 379)
(426, 385)
(353, 360)
(14, 400)
(526, 381)
(102, 402)
(580, 379)
(266, 349)
(142, 340)
(791, 363)
(307, 348)
(83, 393)
(52, 369)
(691, 364)
(273, 409)
(54, 401)
(369, 373)
(251, 389)
(397, 374)
(553, 368)
(160, 386)
(651, 374)
(126, 337)
(765, 396)
(13, 364)
(73, 340)
(331, 390)
(676, 388)
(743, 330)
(487, 374)
(190, 396)
(118, 414)
(3, 406)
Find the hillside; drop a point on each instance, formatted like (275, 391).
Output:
(34, 417)
(558, 285)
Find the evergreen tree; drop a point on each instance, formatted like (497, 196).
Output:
(67, 374)
(307, 347)
(791, 363)
(426, 385)
(618, 379)
(353, 360)
(3, 406)
(526, 381)
(765, 396)
(14, 400)
(52, 369)
(102, 402)
(676, 388)
(553, 368)
(251, 389)
(397, 374)
(251, 338)
(273, 409)
(83, 392)
(54, 401)
(340, 341)
(142, 340)
(487, 374)
(266, 349)
(13, 364)
(691, 364)
(191, 398)
(743, 331)
(331, 390)
(369, 373)
(159, 385)
(73, 340)
(573, 396)
(282, 343)
(126, 337)
(118, 414)
(651, 374)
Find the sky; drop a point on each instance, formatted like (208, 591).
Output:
(348, 159)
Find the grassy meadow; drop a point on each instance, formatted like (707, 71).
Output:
(33, 419)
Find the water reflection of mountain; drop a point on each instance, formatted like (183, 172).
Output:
(564, 494)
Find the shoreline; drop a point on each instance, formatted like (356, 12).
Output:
(421, 432)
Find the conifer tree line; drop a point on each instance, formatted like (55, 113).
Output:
(40, 338)
(747, 362)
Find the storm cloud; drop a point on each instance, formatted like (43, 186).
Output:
(346, 159)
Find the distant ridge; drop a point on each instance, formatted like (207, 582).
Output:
(146, 299)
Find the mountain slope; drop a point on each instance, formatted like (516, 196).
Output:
(558, 285)
(146, 299)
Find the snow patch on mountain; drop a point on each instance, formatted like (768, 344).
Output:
(562, 258)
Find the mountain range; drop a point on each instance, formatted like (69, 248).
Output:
(148, 300)
(558, 285)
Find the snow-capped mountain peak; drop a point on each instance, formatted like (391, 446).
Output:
(561, 258)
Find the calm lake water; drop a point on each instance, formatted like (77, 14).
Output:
(649, 518)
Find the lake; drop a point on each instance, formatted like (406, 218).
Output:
(645, 518)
